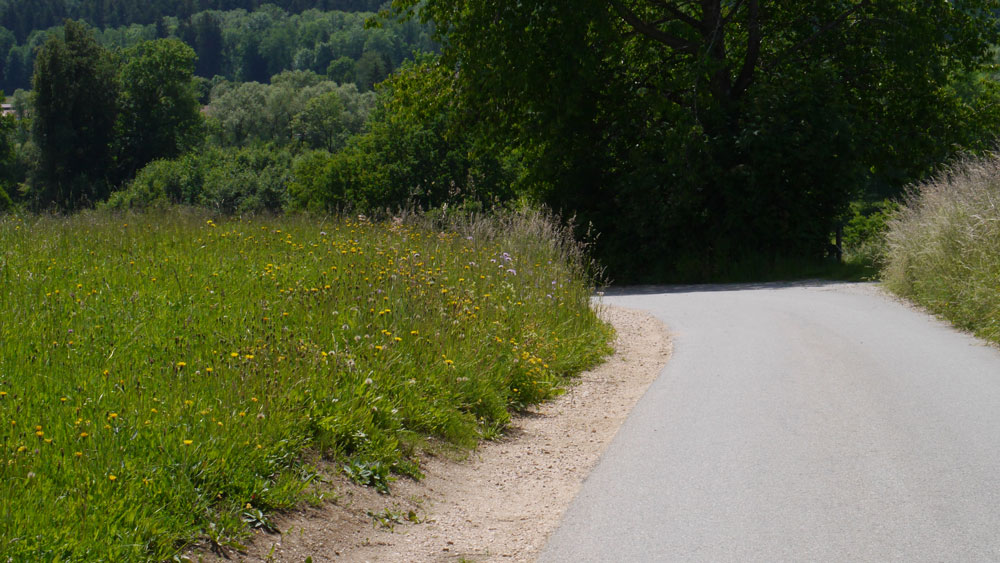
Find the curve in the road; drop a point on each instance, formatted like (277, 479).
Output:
(799, 422)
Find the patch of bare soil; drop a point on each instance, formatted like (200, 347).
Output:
(503, 501)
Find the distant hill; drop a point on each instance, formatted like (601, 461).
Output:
(24, 16)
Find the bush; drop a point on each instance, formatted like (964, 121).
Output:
(228, 180)
(864, 233)
(943, 246)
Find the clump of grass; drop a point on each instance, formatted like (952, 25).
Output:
(163, 376)
(943, 246)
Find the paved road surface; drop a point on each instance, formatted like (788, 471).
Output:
(805, 422)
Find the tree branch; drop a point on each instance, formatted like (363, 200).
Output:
(653, 32)
(679, 15)
(752, 57)
(819, 32)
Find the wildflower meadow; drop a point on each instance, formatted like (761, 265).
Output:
(172, 377)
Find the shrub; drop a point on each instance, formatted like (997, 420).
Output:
(228, 180)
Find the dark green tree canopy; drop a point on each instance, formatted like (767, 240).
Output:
(706, 131)
(75, 103)
(159, 110)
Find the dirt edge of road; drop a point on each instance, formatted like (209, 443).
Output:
(503, 501)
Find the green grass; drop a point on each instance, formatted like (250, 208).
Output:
(943, 246)
(163, 376)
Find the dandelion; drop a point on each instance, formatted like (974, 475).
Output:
(234, 355)
(112, 415)
(84, 434)
(188, 442)
(181, 365)
(78, 454)
(112, 477)
(3, 394)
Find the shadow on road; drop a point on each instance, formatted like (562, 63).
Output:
(625, 291)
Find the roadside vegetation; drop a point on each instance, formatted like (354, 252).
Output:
(168, 376)
(943, 246)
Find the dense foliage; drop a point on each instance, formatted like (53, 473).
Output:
(709, 133)
(24, 16)
(253, 45)
(162, 376)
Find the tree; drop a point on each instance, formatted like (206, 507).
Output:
(371, 69)
(209, 44)
(321, 124)
(76, 93)
(6, 158)
(159, 110)
(711, 132)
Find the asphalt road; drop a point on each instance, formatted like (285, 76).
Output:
(803, 422)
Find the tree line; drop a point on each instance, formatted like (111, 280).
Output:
(253, 45)
(22, 17)
(695, 138)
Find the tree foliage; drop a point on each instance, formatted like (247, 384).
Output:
(75, 107)
(24, 16)
(707, 132)
(159, 112)
(419, 151)
(252, 45)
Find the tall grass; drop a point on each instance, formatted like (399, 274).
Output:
(943, 246)
(163, 376)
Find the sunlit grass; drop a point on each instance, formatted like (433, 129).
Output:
(943, 248)
(162, 376)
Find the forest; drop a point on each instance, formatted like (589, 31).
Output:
(715, 136)
(25, 16)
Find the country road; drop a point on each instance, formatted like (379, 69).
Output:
(798, 422)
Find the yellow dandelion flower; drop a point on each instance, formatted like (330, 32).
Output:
(188, 442)
(3, 394)
(78, 454)
(112, 415)
(248, 356)
(234, 354)
(63, 399)
(112, 477)
(254, 399)
(39, 433)
(21, 449)
(84, 434)
(181, 364)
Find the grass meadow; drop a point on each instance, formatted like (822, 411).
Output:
(167, 377)
(943, 246)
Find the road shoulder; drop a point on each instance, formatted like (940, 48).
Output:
(507, 497)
